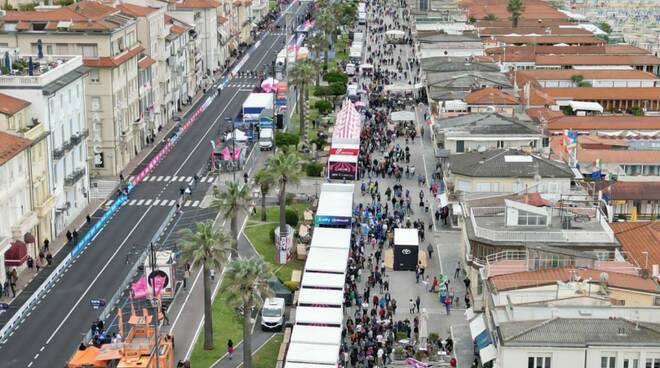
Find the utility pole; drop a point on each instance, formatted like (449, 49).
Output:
(155, 302)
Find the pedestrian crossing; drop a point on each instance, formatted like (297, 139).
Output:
(241, 85)
(158, 202)
(174, 179)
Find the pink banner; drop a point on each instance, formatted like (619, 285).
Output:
(139, 288)
(159, 282)
(237, 153)
(225, 154)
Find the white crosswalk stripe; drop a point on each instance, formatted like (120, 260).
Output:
(140, 202)
(148, 202)
(209, 179)
(167, 178)
(132, 202)
(156, 201)
(172, 202)
(160, 178)
(188, 203)
(183, 178)
(195, 203)
(174, 178)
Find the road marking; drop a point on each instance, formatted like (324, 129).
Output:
(97, 276)
(174, 178)
(132, 202)
(160, 178)
(210, 179)
(156, 201)
(203, 139)
(148, 202)
(195, 203)
(30, 364)
(140, 202)
(167, 178)
(182, 178)
(188, 203)
(172, 202)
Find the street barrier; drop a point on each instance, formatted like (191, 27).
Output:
(43, 289)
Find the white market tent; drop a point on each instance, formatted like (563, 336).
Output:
(320, 335)
(343, 158)
(406, 237)
(336, 200)
(585, 106)
(402, 116)
(239, 134)
(323, 279)
(325, 237)
(395, 33)
(312, 353)
(327, 297)
(319, 316)
(308, 365)
(327, 260)
(257, 102)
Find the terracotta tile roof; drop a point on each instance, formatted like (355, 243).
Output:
(526, 279)
(11, 145)
(198, 4)
(604, 152)
(41, 16)
(528, 53)
(613, 93)
(636, 190)
(566, 74)
(177, 29)
(111, 62)
(145, 62)
(135, 10)
(597, 60)
(569, 40)
(490, 96)
(11, 105)
(543, 114)
(639, 237)
(537, 97)
(83, 15)
(534, 9)
(168, 19)
(92, 9)
(611, 122)
(505, 22)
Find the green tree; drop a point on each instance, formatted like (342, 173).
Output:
(231, 202)
(345, 13)
(605, 27)
(301, 76)
(636, 111)
(246, 288)
(210, 249)
(285, 168)
(265, 182)
(516, 9)
(576, 79)
(328, 24)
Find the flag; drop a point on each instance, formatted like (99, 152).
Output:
(596, 171)
(139, 288)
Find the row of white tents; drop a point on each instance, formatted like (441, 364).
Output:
(316, 335)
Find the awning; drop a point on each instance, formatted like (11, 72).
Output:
(16, 255)
(487, 354)
(479, 332)
(402, 116)
(395, 32)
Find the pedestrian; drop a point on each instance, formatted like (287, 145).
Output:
(417, 274)
(75, 236)
(88, 219)
(186, 274)
(230, 348)
(49, 258)
(457, 273)
(418, 301)
(165, 318)
(69, 236)
(46, 245)
(411, 306)
(448, 304)
(430, 250)
(212, 272)
(30, 263)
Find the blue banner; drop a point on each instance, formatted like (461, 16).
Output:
(334, 221)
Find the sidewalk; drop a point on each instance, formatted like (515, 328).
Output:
(29, 280)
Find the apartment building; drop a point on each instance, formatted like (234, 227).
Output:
(55, 88)
(107, 41)
(178, 51)
(152, 66)
(18, 217)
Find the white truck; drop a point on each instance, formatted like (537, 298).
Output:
(266, 139)
(273, 314)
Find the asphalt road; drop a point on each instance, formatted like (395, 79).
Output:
(50, 335)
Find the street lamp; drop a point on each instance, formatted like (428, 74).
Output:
(153, 264)
(233, 145)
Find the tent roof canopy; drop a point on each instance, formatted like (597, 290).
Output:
(319, 315)
(323, 279)
(327, 260)
(406, 237)
(316, 335)
(325, 237)
(308, 296)
(312, 353)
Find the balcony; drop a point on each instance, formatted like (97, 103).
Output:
(76, 139)
(85, 133)
(73, 178)
(67, 145)
(58, 153)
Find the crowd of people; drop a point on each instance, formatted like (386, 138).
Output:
(374, 334)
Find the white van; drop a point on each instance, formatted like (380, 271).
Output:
(272, 314)
(362, 18)
(358, 37)
(350, 69)
(266, 139)
(352, 90)
(362, 8)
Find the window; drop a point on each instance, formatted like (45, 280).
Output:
(608, 362)
(652, 362)
(94, 76)
(630, 363)
(539, 362)
(423, 5)
(88, 50)
(553, 188)
(500, 144)
(96, 103)
(530, 219)
(460, 146)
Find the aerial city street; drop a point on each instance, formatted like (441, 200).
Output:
(330, 183)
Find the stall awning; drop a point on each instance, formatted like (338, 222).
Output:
(319, 316)
(323, 279)
(321, 297)
(325, 237)
(479, 332)
(312, 353)
(487, 354)
(316, 335)
(327, 260)
(16, 255)
(402, 116)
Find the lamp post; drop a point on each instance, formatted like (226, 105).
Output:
(155, 302)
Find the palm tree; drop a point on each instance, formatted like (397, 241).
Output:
(210, 249)
(345, 13)
(285, 168)
(231, 203)
(265, 181)
(516, 8)
(318, 43)
(302, 75)
(328, 24)
(246, 288)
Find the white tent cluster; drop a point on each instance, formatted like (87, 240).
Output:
(316, 335)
